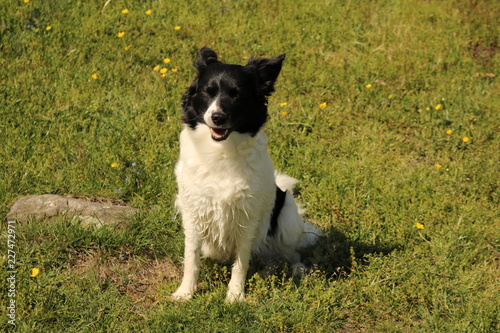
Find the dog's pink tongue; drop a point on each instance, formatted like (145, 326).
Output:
(219, 131)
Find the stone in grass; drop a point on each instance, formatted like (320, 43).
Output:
(95, 211)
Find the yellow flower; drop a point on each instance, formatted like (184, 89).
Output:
(95, 76)
(157, 68)
(114, 164)
(368, 86)
(391, 96)
(438, 107)
(163, 70)
(26, 1)
(449, 132)
(465, 139)
(419, 226)
(177, 28)
(427, 109)
(162, 76)
(283, 104)
(166, 60)
(125, 11)
(438, 166)
(323, 105)
(128, 47)
(148, 12)
(284, 113)
(174, 70)
(49, 27)
(121, 34)
(34, 272)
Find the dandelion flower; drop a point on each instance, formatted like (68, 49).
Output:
(26, 1)
(419, 226)
(322, 105)
(128, 47)
(449, 132)
(148, 12)
(438, 166)
(166, 60)
(121, 34)
(125, 11)
(157, 68)
(368, 86)
(465, 139)
(284, 113)
(48, 28)
(283, 104)
(162, 76)
(34, 272)
(438, 107)
(174, 70)
(163, 70)
(177, 28)
(95, 76)
(115, 164)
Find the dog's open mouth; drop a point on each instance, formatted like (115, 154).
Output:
(220, 134)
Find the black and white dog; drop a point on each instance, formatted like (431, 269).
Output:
(233, 204)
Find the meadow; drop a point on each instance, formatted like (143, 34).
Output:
(386, 111)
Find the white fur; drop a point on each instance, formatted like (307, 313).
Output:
(213, 108)
(226, 196)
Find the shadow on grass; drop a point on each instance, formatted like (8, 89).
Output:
(336, 256)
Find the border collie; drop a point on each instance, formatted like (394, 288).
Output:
(233, 204)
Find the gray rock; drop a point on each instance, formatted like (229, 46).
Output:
(94, 211)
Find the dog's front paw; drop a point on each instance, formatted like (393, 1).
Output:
(235, 297)
(182, 295)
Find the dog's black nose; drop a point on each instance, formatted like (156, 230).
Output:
(219, 118)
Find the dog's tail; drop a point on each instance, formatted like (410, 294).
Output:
(285, 182)
(310, 233)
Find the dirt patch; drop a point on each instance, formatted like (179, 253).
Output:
(138, 278)
(483, 53)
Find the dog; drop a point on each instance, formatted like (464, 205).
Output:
(233, 203)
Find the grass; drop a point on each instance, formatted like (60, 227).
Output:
(404, 84)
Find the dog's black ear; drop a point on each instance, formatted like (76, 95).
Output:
(267, 70)
(189, 93)
(189, 115)
(205, 57)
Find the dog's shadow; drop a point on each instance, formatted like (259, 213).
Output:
(335, 255)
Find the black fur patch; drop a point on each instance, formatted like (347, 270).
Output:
(278, 205)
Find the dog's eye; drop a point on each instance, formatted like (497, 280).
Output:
(211, 91)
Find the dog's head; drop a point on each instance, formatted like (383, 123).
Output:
(229, 98)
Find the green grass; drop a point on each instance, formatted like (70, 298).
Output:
(373, 163)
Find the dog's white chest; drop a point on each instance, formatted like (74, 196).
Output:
(225, 189)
